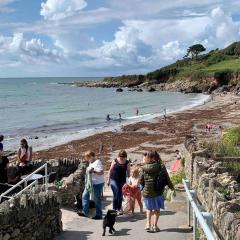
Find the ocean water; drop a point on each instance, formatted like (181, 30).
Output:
(56, 113)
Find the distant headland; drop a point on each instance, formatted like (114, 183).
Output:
(217, 70)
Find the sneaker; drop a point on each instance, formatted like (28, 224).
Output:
(81, 214)
(155, 229)
(97, 218)
(119, 213)
(147, 227)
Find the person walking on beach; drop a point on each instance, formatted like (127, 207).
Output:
(101, 147)
(93, 186)
(154, 178)
(1, 144)
(165, 114)
(119, 170)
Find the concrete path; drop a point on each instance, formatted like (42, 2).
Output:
(128, 226)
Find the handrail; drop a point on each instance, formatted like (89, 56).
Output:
(197, 213)
(26, 188)
(25, 180)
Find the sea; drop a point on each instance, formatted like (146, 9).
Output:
(48, 114)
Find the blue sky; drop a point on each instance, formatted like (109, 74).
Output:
(108, 37)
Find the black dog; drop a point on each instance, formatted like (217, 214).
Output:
(109, 221)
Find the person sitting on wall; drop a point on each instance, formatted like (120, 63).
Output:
(25, 157)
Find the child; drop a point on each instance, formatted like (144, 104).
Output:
(132, 192)
(1, 145)
(177, 164)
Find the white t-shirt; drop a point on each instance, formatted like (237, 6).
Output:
(134, 181)
(98, 167)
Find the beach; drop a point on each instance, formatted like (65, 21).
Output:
(157, 134)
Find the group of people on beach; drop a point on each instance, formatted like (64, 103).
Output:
(148, 179)
(108, 117)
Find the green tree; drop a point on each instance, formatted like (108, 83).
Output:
(195, 50)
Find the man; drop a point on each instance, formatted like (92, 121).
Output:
(3, 168)
(93, 185)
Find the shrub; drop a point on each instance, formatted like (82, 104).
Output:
(228, 146)
(198, 75)
(177, 178)
(223, 77)
(216, 58)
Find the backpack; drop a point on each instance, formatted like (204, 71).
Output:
(161, 180)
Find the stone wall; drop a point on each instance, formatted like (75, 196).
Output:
(35, 215)
(217, 189)
(71, 186)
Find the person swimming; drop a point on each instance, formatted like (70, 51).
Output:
(108, 117)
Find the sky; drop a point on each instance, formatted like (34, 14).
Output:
(67, 38)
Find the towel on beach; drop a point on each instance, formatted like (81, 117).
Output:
(88, 182)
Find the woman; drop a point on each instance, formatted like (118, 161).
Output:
(93, 185)
(152, 195)
(24, 153)
(119, 170)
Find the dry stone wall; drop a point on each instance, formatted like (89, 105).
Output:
(34, 215)
(217, 189)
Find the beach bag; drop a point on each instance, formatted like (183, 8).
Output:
(161, 180)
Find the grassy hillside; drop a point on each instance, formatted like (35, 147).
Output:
(215, 63)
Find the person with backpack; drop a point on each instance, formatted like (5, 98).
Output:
(154, 178)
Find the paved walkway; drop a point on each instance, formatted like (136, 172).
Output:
(128, 226)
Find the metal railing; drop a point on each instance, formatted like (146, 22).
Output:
(25, 183)
(204, 219)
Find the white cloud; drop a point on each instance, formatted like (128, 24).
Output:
(16, 48)
(4, 6)
(151, 33)
(158, 42)
(58, 9)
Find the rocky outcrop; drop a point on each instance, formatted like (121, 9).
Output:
(188, 85)
(217, 189)
(34, 215)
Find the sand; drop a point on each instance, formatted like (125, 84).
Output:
(163, 136)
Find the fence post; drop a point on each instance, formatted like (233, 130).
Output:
(194, 196)
(46, 178)
(188, 204)
(209, 219)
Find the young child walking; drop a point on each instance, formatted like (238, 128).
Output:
(132, 192)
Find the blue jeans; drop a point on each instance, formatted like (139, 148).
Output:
(117, 194)
(97, 189)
